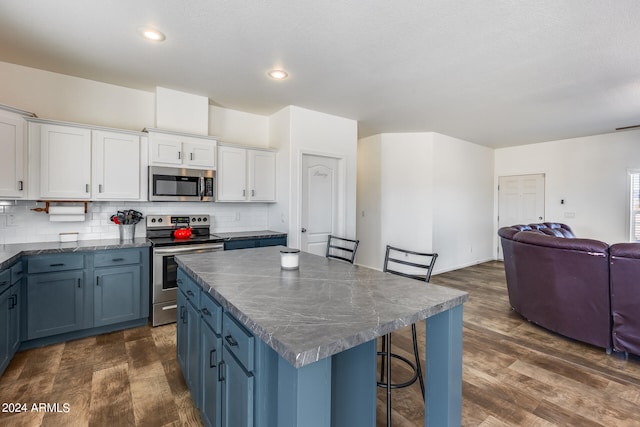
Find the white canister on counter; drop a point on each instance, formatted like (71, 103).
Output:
(289, 259)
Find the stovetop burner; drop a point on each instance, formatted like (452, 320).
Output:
(160, 230)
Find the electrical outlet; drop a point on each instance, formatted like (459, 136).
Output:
(11, 220)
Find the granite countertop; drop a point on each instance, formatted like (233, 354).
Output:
(324, 308)
(240, 235)
(10, 253)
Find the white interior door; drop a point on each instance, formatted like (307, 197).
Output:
(520, 200)
(319, 211)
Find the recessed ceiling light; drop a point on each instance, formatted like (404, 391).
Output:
(278, 74)
(151, 34)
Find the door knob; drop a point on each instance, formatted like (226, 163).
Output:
(304, 230)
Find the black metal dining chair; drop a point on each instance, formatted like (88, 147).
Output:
(341, 248)
(418, 266)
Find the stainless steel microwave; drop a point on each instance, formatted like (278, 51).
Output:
(168, 184)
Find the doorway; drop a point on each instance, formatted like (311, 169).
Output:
(520, 200)
(320, 212)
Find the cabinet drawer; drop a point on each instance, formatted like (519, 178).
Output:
(273, 241)
(238, 340)
(211, 312)
(17, 272)
(42, 264)
(5, 279)
(117, 257)
(189, 288)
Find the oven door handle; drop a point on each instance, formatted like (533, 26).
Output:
(187, 249)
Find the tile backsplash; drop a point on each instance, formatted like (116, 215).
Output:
(20, 224)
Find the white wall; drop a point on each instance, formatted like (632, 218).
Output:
(60, 97)
(238, 127)
(425, 192)
(369, 196)
(297, 131)
(589, 173)
(463, 223)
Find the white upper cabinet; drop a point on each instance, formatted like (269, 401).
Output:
(169, 149)
(115, 166)
(231, 174)
(245, 175)
(262, 175)
(12, 161)
(65, 162)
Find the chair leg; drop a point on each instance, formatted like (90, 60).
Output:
(417, 356)
(388, 369)
(383, 339)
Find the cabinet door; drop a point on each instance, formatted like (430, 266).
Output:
(262, 176)
(232, 174)
(210, 358)
(5, 327)
(193, 353)
(12, 147)
(237, 395)
(116, 295)
(65, 162)
(116, 166)
(55, 303)
(14, 319)
(199, 154)
(165, 150)
(181, 333)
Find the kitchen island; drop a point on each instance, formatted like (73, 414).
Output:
(320, 324)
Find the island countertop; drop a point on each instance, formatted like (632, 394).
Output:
(321, 309)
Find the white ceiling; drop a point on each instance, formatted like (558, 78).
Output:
(493, 72)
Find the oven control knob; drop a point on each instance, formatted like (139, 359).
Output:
(153, 220)
(199, 219)
(159, 219)
(204, 219)
(193, 219)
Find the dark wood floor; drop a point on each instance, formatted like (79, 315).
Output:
(514, 374)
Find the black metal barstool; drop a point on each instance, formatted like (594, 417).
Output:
(341, 248)
(418, 266)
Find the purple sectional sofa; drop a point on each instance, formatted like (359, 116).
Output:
(580, 288)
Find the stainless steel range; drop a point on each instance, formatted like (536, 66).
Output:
(161, 232)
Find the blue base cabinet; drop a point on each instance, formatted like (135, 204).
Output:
(10, 283)
(236, 386)
(211, 362)
(78, 294)
(255, 243)
(55, 303)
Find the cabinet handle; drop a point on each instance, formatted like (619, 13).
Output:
(244, 193)
(4, 283)
(182, 314)
(253, 193)
(79, 283)
(179, 281)
(14, 301)
(221, 371)
(179, 155)
(232, 342)
(117, 259)
(190, 156)
(212, 359)
(20, 186)
(61, 264)
(206, 312)
(86, 188)
(99, 188)
(190, 293)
